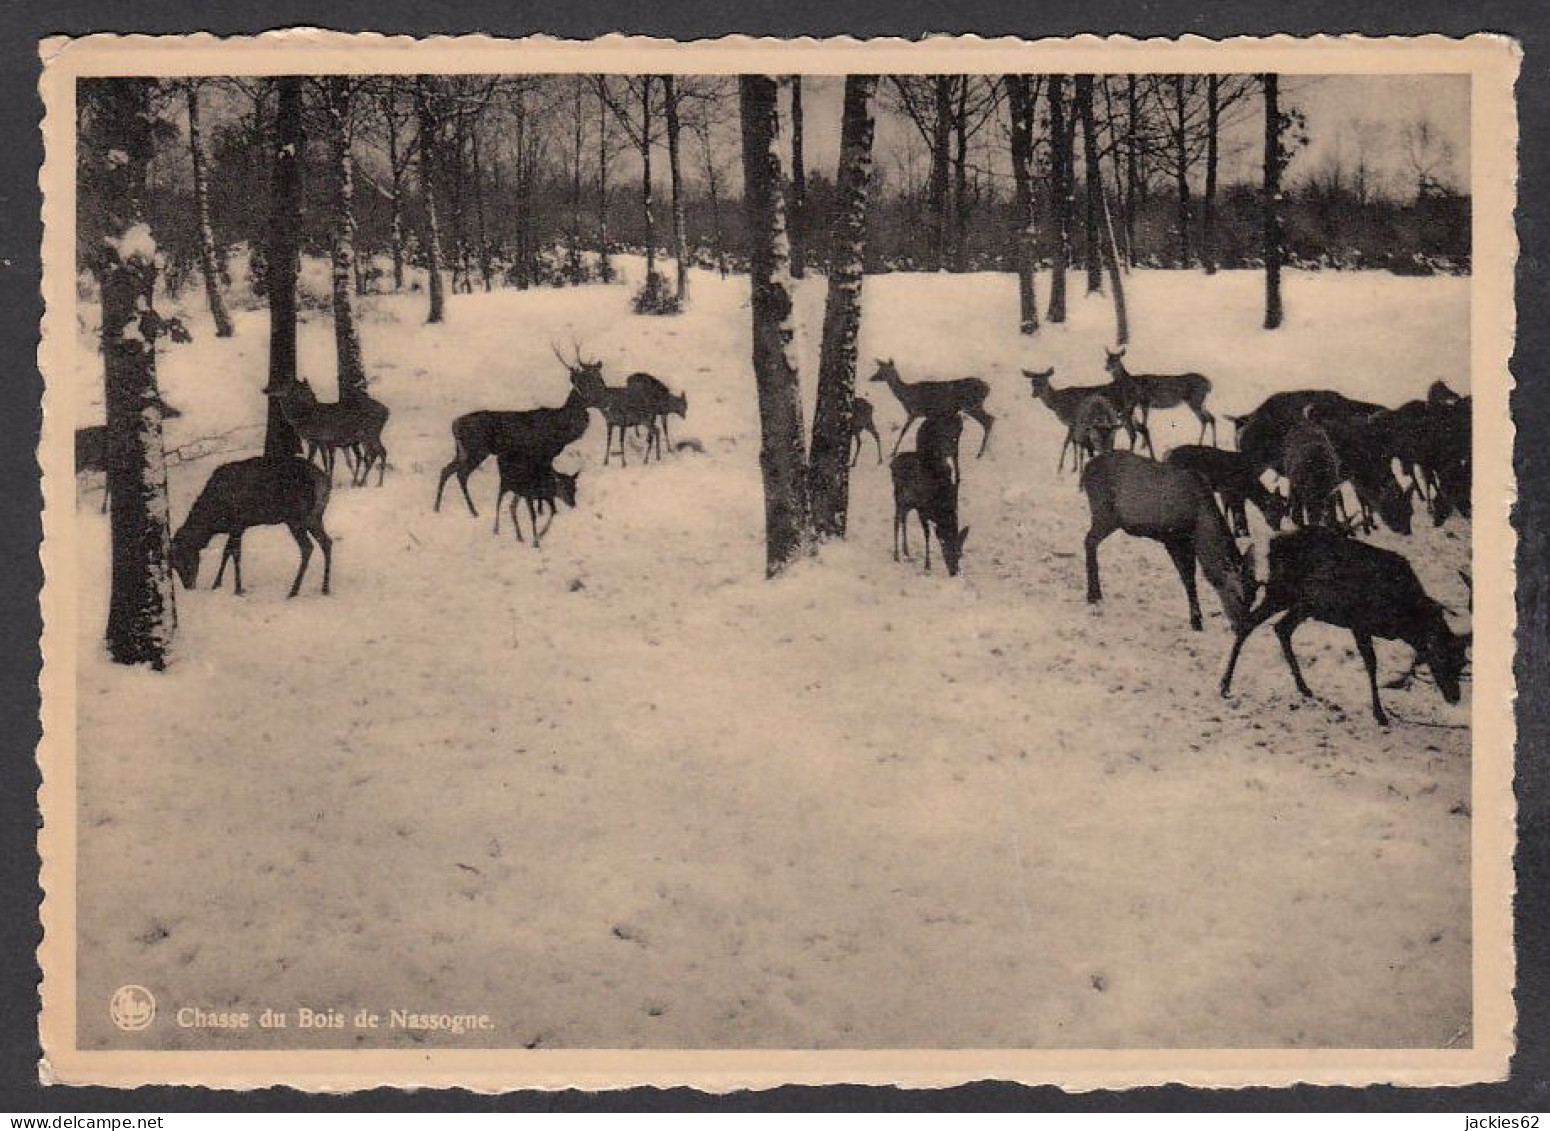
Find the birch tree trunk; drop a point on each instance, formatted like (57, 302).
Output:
(782, 450)
(284, 249)
(645, 176)
(347, 338)
(798, 184)
(1094, 178)
(829, 473)
(1116, 282)
(428, 162)
(1272, 202)
(675, 177)
(1060, 202)
(1208, 213)
(1025, 219)
(396, 186)
(207, 258)
(142, 614)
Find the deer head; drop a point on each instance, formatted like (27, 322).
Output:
(1113, 361)
(952, 548)
(1275, 508)
(585, 376)
(565, 487)
(185, 558)
(886, 371)
(1394, 505)
(1038, 379)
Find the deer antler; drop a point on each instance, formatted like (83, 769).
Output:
(559, 356)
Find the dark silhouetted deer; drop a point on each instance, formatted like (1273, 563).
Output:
(539, 433)
(1067, 403)
(926, 481)
(285, 491)
(354, 425)
(539, 485)
(652, 396)
(861, 422)
(1146, 391)
(1320, 575)
(1172, 506)
(921, 399)
(1235, 479)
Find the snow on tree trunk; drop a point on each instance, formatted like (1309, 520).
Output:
(1060, 197)
(798, 184)
(645, 176)
(283, 260)
(829, 476)
(1020, 100)
(1272, 202)
(207, 258)
(941, 139)
(347, 338)
(675, 169)
(142, 613)
(1208, 206)
(395, 188)
(782, 450)
(427, 123)
(1093, 249)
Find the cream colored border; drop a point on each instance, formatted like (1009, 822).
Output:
(1492, 62)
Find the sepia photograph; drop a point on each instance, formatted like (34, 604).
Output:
(914, 559)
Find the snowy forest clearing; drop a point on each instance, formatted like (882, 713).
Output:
(888, 810)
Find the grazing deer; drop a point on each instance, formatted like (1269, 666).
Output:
(538, 432)
(1235, 479)
(1067, 403)
(1172, 506)
(1313, 466)
(265, 491)
(921, 399)
(652, 395)
(1367, 463)
(861, 422)
(1320, 575)
(1285, 409)
(1146, 391)
(354, 425)
(537, 483)
(926, 481)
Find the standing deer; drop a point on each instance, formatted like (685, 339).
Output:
(1320, 575)
(479, 435)
(921, 399)
(264, 491)
(621, 409)
(1175, 507)
(355, 425)
(538, 484)
(653, 396)
(1235, 479)
(1067, 403)
(1313, 466)
(861, 422)
(926, 481)
(1146, 391)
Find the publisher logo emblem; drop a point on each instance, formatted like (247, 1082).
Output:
(132, 1008)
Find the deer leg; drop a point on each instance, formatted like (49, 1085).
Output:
(326, 543)
(879, 440)
(855, 448)
(1182, 551)
(925, 534)
(1095, 537)
(532, 517)
(548, 522)
(1284, 629)
(381, 450)
(221, 569)
(908, 420)
(986, 421)
(516, 524)
(234, 548)
(901, 532)
(1259, 616)
(304, 544)
(499, 495)
(1370, 658)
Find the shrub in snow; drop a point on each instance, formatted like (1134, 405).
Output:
(656, 296)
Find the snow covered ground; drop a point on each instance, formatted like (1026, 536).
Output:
(625, 792)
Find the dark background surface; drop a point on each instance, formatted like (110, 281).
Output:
(25, 23)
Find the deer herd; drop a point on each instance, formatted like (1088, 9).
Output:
(1316, 443)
